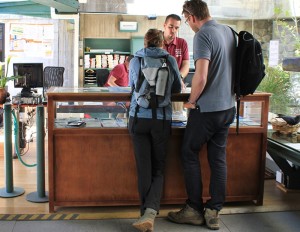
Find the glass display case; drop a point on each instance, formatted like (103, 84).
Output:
(91, 114)
(99, 113)
(104, 112)
(89, 146)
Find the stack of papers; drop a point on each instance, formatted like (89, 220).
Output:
(178, 116)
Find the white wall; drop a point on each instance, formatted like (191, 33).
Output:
(22, 58)
(62, 48)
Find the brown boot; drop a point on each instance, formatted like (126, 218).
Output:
(146, 222)
(187, 215)
(212, 219)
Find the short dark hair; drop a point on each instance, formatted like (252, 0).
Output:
(128, 59)
(173, 16)
(197, 8)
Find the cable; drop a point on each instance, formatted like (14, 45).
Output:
(25, 152)
(16, 129)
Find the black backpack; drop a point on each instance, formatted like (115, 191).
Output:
(250, 68)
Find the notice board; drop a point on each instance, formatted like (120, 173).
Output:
(31, 40)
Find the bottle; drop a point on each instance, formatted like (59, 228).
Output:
(161, 82)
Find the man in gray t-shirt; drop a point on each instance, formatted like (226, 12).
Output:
(212, 110)
(214, 43)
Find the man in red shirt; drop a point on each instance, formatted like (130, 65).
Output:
(176, 46)
(119, 74)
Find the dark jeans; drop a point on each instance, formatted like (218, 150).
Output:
(210, 128)
(150, 138)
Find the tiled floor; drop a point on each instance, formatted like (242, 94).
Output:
(288, 221)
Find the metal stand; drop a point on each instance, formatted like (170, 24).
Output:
(40, 195)
(9, 190)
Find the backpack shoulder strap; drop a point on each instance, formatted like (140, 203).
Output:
(234, 32)
(167, 60)
(236, 85)
(141, 77)
(137, 87)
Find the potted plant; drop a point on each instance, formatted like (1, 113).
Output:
(4, 79)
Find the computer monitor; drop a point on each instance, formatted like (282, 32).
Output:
(33, 77)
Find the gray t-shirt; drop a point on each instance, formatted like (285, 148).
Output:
(216, 43)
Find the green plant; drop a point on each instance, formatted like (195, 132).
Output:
(287, 31)
(3, 74)
(278, 83)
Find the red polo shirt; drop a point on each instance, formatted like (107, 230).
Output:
(120, 72)
(179, 49)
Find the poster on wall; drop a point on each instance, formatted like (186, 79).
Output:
(31, 40)
(273, 53)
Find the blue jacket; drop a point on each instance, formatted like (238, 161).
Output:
(174, 78)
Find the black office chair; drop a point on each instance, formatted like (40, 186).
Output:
(53, 76)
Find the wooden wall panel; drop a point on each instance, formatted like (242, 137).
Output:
(107, 25)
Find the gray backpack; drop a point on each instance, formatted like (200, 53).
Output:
(152, 84)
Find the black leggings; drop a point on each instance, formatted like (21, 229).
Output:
(150, 140)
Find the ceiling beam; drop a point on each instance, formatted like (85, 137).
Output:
(25, 8)
(61, 6)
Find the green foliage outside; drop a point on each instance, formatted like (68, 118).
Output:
(278, 82)
(3, 74)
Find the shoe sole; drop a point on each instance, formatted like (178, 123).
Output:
(146, 226)
(213, 227)
(191, 222)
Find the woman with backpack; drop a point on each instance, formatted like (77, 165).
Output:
(150, 124)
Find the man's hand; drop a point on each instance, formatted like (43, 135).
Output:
(183, 86)
(189, 105)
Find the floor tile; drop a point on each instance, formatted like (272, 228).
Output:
(263, 222)
(7, 226)
(164, 225)
(68, 226)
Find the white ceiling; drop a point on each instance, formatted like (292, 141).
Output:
(154, 7)
(244, 9)
(218, 8)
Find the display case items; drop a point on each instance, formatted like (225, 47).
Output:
(91, 114)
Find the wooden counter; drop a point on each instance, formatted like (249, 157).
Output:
(96, 166)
